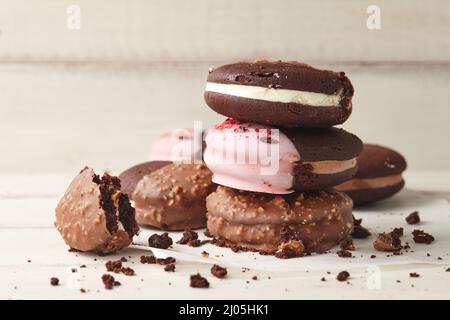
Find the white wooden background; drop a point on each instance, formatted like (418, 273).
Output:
(101, 94)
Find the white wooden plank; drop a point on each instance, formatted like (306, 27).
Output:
(49, 258)
(57, 119)
(203, 30)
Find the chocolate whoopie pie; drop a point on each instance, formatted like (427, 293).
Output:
(379, 175)
(280, 93)
(168, 195)
(260, 158)
(94, 215)
(256, 221)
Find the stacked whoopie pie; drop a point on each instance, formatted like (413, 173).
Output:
(278, 157)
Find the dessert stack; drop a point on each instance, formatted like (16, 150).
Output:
(277, 157)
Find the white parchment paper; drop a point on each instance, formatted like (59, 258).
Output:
(380, 217)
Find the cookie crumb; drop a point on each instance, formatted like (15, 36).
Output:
(254, 278)
(114, 266)
(188, 235)
(109, 282)
(347, 244)
(170, 267)
(344, 254)
(54, 281)
(218, 271)
(205, 254)
(387, 242)
(83, 290)
(127, 271)
(148, 259)
(398, 232)
(413, 218)
(359, 232)
(343, 276)
(323, 279)
(197, 281)
(414, 275)
(162, 241)
(420, 236)
(166, 261)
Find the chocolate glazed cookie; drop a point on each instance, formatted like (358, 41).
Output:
(255, 221)
(379, 175)
(169, 196)
(280, 93)
(300, 159)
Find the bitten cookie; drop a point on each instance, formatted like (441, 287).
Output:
(379, 175)
(94, 215)
(260, 158)
(280, 93)
(255, 221)
(169, 196)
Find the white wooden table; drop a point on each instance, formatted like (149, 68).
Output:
(33, 252)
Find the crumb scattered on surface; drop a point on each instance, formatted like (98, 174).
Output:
(343, 276)
(347, 244)
(421, 236)
(197, 281)
(109, 281)
(148, 259)
(387, 242)
(54, 281)
(162, 241)
(359, 232)
(414, 275)
(170, 267)
(218, 271)
(344, 254)
(413, 218)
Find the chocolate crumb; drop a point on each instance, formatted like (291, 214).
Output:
(162, 241)
(387, 242)
(323, 279)
(109, 281)
(343, 276)
(448, 270)
(420, 236)
(254, 278)
(127, 271)
(83, 266)
(218, 271)
(166, 261)
(74, 270)
(83, 290)
(197, 281)
(398, 232)
(359, 232)
(123, 259)
(347, 244)
(194, 243)
(289, 245)
(54, 281)
(148, 259)
(344, 254)
(414, 275)
(170, 267)
(114, 266)
(188, 235)
(413, 218)
(373, 256)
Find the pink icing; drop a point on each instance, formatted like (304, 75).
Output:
(235, 154)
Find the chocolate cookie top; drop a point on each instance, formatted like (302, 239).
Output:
(324, 144)
(130, 177)
(378, 161)
(283, 75)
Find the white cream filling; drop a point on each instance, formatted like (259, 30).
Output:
(313, 99)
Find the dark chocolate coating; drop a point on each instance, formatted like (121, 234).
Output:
(366, 196)
(281, 75)
(130, 177)
(324, 144)
(377, 161)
